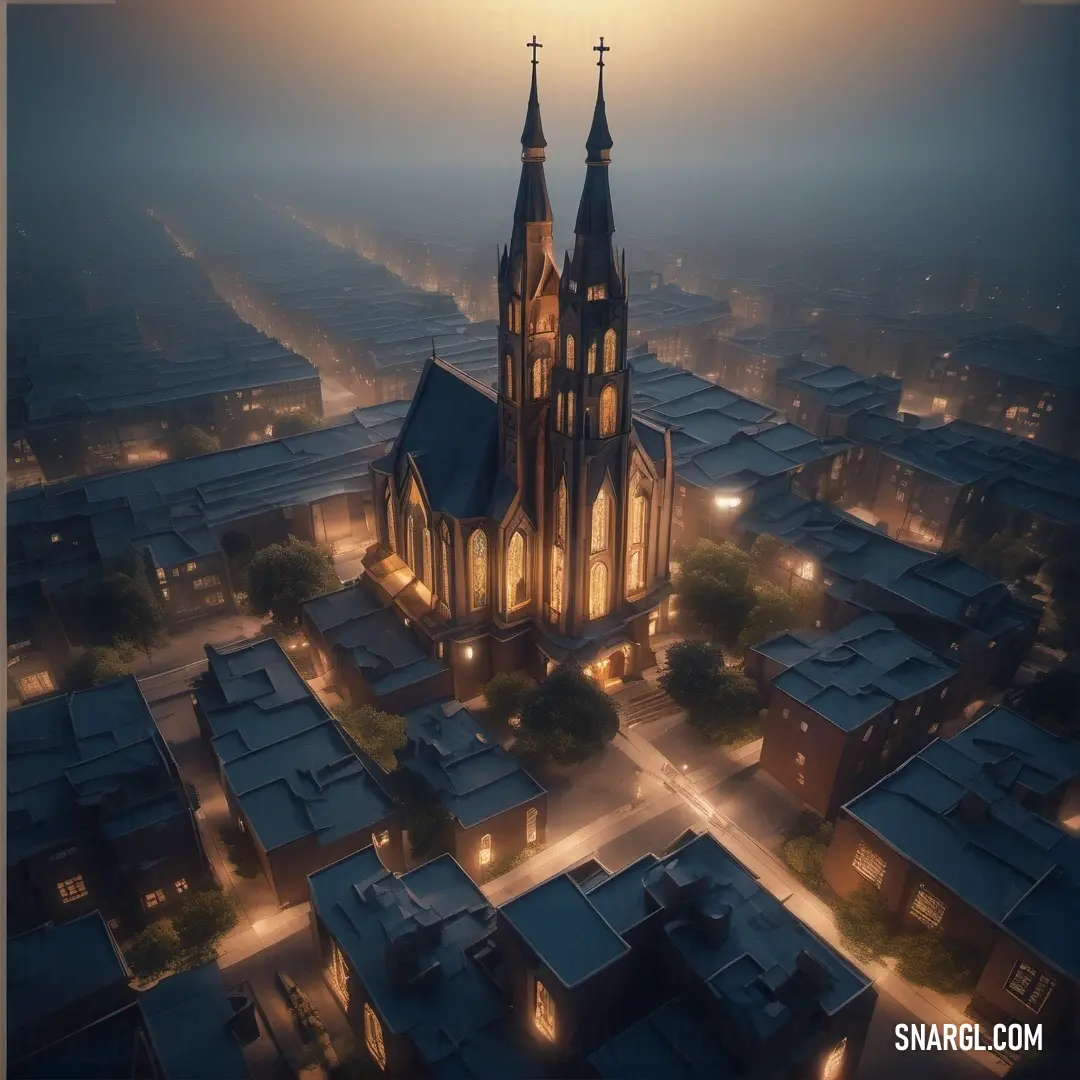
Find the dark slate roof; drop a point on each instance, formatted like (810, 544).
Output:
(532, 134)
(454, 1014)
(452, 434)
(100, 744)
(950, 810)
(474, 777)
(103, 1050)
(1032, 358)
(856, 672)
(54, 967)
(293, 772)
(843, 390)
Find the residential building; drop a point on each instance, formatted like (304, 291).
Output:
(294, 782)
(845, 705)
(178, 518)
(677, 325)
(750, 362)
(677, 963)
(98, 817)
(954, 842)
(940, 600)
(72, 1013)
(826, 398)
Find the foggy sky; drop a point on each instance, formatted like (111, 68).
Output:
(770, 112)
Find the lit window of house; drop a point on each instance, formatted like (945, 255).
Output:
(530, 825)
(154, 899)
(373, 1036)
(596, 292)
(933, 727)
(834, 1063)
(516, 586)
(570, 352)
(181, 885)
(160, 574)
(944, 691)
(608, 412)
(213, 599)
(800, 759)
(72, 889)
(41, 682)
(381, 839)
(176, 571)
(544, 1014)
(803, 726)
(485, 850)
(869, 864)
(927, 908)
(918, 709)
(1029, 986)
(478, 567)
(609, 351)
(55, 538)
(800, 779)
(191, 567)
(590, 358)
(806, 569)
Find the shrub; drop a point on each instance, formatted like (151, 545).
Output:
(730, 716)
(863, 922)
(377, 733)
(294, 423)
(943, 964)
(505, 693)
(204, 918)
(191, 441)
(567, 717)
(154, 951)
(96, 665)
(509, 862)
(810, 824)
(805, 857)
(692, 673)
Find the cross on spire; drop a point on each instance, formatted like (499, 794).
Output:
(534, 45)
(601, 49)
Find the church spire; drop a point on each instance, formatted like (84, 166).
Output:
(533, 204)
(595, 217)
(598, 144)
(532, 135)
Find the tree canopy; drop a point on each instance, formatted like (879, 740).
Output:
(776, 610)
(282, 577)
(505, 693)
(293, 423)
(567, 717)
(119, 608)
(731, 713)
(1006, 558)
(99, 664)
(715, 591)
(377, 733)
(154, 950)
(191, 441)
(204, 918)
(692, 673)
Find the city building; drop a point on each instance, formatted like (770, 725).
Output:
(179, 518)
(98, 817)
(72, 1012)
(940, 600)
(954, 841)
(843, 706)
(827, 398)
(676, 324)
(926, 484)
(533, 523)
(294, 781)
(674, 964)
(750, 362)
(496, 808)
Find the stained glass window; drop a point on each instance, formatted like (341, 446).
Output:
(607, 412)
(560, 513)
(635, 581)
(444, 545)
(478, 568)
(609, 351)
(530, 824)
(557, 564)
(339, 974)
(590, 361)
(537, 379)
(834, 1063)
(373, 1036)
(485, 850)
(391, 524)
(637, 520)
(600, 522)
(571, 352)
(598, 591)
(560, 413)
(515, 571)
(544, 1014)
(415, 542)
(570, 413)
(428, 576)
(509, 376)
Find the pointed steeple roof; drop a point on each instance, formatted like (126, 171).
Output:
(595, 216)
(532, 201)
(532, 134)
(599, 141)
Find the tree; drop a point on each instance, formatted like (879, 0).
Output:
(1006, 558)
(154, 951)
(203, 919)
(293, 423)
(776, 610)
(505, 693)
(692, 673)
(422, 815)
(765, 554)
(121, 608)
(191, 441)
(99, 664)
(567, 717)
(731, 714)
(377, 733)
(282, 577)
(713, 584)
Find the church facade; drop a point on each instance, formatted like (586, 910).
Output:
(528, 526)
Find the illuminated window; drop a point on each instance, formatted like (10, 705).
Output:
(530, 825)
(338, 974)
(560, 513)
(607, 412)
(160, 574)
(41, 682)
(635, 572)
(1029, 986)
(834, 1063)
(373, 1036)
(213, 599)
(590, 359)
(600, 527)
(837, 465)
(538, 378)
(800, 759)
(596, 292)
(72, 889)
(478, 567)
(1010, 414)
(609, 351)
(638, 509)
(570, 413)
(571, 352)
(207, 582)
(544, 1015)
(429, 577)
(598, 591)
(381, 839)
(391, 528)
(927, 908)
(805, 570)
(154, 899)
(560, 413)
(516, 593)
(515, 317)
(191, 567)
(557, 577)
(181, 885)
(484, 857)
(509, 375)
(444, 557)
(869, 864)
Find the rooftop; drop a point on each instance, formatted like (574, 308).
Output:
(853, 674)
(951, 810)
(474, 777)
(1033, 358)
(292, 770)
(842, 390)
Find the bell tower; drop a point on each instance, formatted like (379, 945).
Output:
(528, 287)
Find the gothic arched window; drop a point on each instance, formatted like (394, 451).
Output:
(636, 546)
(600, 522)
(590, 359)
(609, 351)
(444, 558)
(429, 562)
(638, 509)
(635, 577)
(570, 413)
(558, 559)
(478, 567)
(598, 591)
(560, 513)
(509, 376)
(560, 413)
(391, 523)
(571, 352)
(516, 591)
(608, 410)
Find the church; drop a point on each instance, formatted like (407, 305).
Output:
(522, 528)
